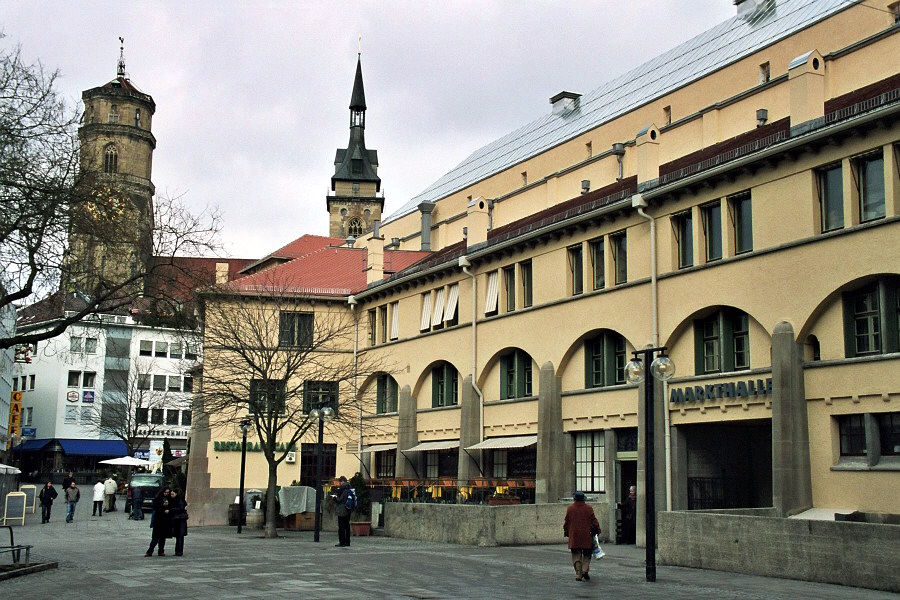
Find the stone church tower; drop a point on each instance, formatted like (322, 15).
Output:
(354, 203)
(112, 240)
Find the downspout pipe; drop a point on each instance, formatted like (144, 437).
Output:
(465, 264)
(351, 300)
(638, 202)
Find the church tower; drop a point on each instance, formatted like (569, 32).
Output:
(354, 202)
(111, 241)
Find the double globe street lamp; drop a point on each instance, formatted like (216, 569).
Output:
(245, 427)
(662, 368)
(322, 415)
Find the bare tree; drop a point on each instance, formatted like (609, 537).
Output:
(271, 354)
(54, 205)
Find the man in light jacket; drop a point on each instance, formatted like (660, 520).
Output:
(99, 488)
(109, 494)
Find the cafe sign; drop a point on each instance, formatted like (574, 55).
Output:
(251, 447)
(752, 388)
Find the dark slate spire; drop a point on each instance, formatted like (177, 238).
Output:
(358, 97)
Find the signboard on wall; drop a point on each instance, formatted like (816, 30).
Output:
(15, 414)
(72, 396)
(752, 388)
(29, 432)
(87, 396)
(156, 452)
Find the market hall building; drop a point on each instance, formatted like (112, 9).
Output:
(735, 200)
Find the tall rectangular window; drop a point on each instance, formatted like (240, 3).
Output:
(87, 381)
(831, 197)
(395, 320)
(741, 332)
(604, 360)
(525, 272)
(742, 212)
(373, 326)
(598, 268)
(576, 270)
(500, 460)
(867, 322)
(185, 418)
(385, 394)
(871, 187)
(590, 461)
(437, 317)
(722, 342)
(493, 291)
(141, 415)
(712, 230)
(853, 435)
(383, 323)
(295, 329)
(619, 245)
(515, 375)
(425, 324)
(684, 236)
(872, 318)
(188, 383)
(385, 463)
(444, 385)
(711, 357)
(509, 285)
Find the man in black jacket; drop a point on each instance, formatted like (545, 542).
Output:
(47, 496)
(342, 512)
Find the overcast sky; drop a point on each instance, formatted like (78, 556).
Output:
(252, 97)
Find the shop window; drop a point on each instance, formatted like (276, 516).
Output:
(722, 342)
(712, 230)
(870, 173)
(161, 349)
(317, 394)
(889, 432)
(385, 463)
(590, 460)
(159, 383)
(576, 270)
(515, 375)
(385, 394)
(683, 224)
(141, 415)
(742, 218)
(598, 268)
(853, 435)
(831, 197)
(525, 273)
(373, 326)
(605, 359)
(185, 418)
(171, 417)
(156, 416)
(444, 385)
(871, 316)
(295, 329)
(87, 381)
(509, 286)
(619, 245)
(146, 348)
(431, 465)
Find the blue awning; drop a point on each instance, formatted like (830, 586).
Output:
(94, 447)
(31, 445)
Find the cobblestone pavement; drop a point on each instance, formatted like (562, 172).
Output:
(103, 558)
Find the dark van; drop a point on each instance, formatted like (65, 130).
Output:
(150, 484)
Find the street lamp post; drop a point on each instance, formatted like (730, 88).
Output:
(245, 426)
(663, 369)
(321, 415)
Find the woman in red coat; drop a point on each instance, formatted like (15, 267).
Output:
(580, 526)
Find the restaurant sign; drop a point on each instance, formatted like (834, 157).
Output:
(740, 389)
(251, 447)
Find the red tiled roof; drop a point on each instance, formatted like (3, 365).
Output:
(178, 277)
(295, 249)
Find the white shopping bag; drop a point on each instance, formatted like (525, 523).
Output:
(598, 551)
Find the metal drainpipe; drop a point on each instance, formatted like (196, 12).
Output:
(352, 302)
(465, 264)
(654, 327)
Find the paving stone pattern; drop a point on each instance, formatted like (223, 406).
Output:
(103, 558)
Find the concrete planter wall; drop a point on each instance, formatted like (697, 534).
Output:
(478, 525)
(856, 554)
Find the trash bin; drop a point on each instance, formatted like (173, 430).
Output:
(233, 512)
(249, 504)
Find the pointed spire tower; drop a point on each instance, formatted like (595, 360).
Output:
(355, 202)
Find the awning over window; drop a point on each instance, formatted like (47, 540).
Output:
(93, 447)
(439, 445)
(31, 446)
(497, 443)
(379, 447)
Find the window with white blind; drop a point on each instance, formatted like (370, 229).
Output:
(395, 320)
(490, 302)
(437, 318)
(590, 459)
(426, 312)
(452, 300)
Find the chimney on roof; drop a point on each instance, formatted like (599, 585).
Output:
(426, 208)
(565, 102)
(477, 221)
(374, 258)
(647, 154)
(806, 76)
(221, 272)
(749, 9)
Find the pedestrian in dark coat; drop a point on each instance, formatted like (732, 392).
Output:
(47, 496)
(342, 512)
(179, 516)
(580, 526)
(68, 481)
(161, 526)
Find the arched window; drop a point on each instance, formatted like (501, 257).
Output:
(871, 317)
(354, 227)
(444, 385)
(385, 394)
(110, 159)
(722, 342)
(515, 375)
(604, 360)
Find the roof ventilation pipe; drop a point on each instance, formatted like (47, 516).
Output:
(477, 221)
(565, 102)
(618, 150)
(585, 186)
(376, 227)
(374, 258)
(751, 9)
(426, 208)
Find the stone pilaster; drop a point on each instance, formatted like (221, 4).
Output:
(609, 472)
(469, 434)
(551, 476)
(791, 479)
(407, 435)
(679, 469)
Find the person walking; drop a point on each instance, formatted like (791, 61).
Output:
(629, 518)
(580, 526)
(342, 510)
(98, 498)
(73, 495)
(161, 523)
(47, 496)
(68, 480)
(109, 494)
(179, 516)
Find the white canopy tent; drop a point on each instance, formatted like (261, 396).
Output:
(126, 461)
(8, 470)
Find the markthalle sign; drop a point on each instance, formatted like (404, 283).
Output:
(734, 389)
(251, 447)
